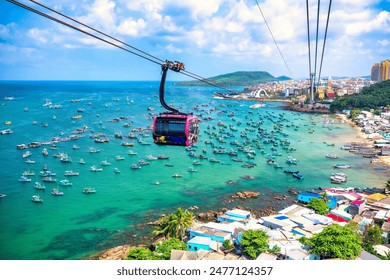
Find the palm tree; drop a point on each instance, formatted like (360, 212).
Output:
(388, 184)
(175, 225)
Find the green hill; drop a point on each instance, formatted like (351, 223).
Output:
(371, 97)
(240, 78)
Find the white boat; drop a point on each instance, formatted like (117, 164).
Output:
(176, 175)
(132, 153)
(191, 169)
(28, 173)
(71, 173)
(39, 186)
(95, 169)
(89, 190)
(65, 183)
(6, 131)
(105, 163)
(332, 156)
(116, 170)
(135, 166)
(342, 166)
(119, 158)
(66, 159)
(36, 198)
(81, 161)
(26, 154)
(24, 179)
(45, 152)
(150, 157)
(257, 105)
(56, 192)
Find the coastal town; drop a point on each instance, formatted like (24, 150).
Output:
(217, 235)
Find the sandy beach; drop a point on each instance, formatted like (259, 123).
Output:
(361, 137)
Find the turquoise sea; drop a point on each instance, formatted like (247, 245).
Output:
(76, 225)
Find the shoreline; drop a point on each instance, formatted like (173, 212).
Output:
(363, 137)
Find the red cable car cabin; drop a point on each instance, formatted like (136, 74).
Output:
(175, 129)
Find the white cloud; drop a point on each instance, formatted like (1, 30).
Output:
(132, 27)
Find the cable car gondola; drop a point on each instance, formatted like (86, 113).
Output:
(174, 127)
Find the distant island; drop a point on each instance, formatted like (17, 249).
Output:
(240, 78)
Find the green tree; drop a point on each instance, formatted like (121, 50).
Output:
(319, 206)
(163, 250)
(373, 235)
(388, 184)
(141, 253)
(175, 224)
(335, 241)
(254, 242)
(227, 244)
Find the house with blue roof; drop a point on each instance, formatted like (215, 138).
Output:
(306, 197)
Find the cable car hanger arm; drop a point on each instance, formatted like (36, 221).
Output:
(174, 66)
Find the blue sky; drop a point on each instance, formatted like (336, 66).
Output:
(211, 37)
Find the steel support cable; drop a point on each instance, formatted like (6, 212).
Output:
(272, 35)
(308, 41)
(187, 73)
(318, 23)
(102, 33)
(323, 47)
(78, 29)
(197, 77)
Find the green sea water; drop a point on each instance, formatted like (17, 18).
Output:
(76, 225)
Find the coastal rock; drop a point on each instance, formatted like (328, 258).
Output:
(116, 253)
(246, 194)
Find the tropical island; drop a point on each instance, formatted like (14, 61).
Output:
(239, 78)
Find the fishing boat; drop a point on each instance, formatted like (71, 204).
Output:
(66, 159)
(142, 162)
(341, 166)
(150, 157)
(36, 198)
(334, 179)
(71, 173)
(89, 190)
(128, 144)
(291, 160)
(105, 163)
(49, 179)
(135, 166)
(6, 131)
(191, 169)
(65, 183)
(39, 186)
(162, 157)
(26, 154)
(24, 179)
(28, 173)
(94, 168)
(333, 156)
(46, 173)
(56, 192)
(298, 175)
